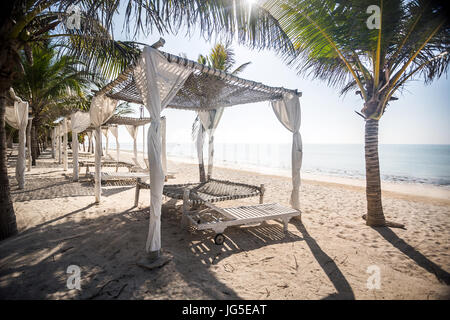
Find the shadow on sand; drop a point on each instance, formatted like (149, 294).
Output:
(340, 283)
(390, 236)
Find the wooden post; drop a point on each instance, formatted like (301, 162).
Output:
(261, 195)
(136, 195)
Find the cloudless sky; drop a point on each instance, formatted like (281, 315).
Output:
(420, 116)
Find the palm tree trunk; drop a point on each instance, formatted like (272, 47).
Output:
(34, 143)
(375, 216)
(8, 226)
(9, 141)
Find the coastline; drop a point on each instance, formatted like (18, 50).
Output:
(418, 190)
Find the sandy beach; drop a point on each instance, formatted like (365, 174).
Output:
(325, 255)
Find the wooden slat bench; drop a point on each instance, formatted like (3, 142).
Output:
(105, 163)
(218, 219)
(120, 176)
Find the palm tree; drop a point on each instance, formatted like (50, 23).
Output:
(52, 85)
(124, 109)
(25, 23)
(221, 57)
(335, 41)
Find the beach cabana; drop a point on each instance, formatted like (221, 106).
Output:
(161, 80)
(16, 115)
(132, 125)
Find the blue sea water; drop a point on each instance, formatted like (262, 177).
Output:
(428, 164)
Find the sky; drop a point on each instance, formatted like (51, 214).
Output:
(420, 116)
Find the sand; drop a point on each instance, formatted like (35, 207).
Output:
(326, 255)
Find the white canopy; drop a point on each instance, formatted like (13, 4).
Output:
(159, 77)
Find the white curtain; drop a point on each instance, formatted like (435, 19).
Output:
(17, 117)
(65, 130)
(105, 133)
(158, 81)
(163, 146)
(210, 120)
(80, 122)
(58, 141)
(288, 113)
(115, 132)
(133, 131)
(102, 108)
(199, 144)
(90, 148)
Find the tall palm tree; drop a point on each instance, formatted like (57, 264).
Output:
(24, 23)
(340, 42)
(51, 85)
(221, 57)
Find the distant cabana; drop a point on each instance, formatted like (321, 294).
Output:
(161, 80)
(17, 116)
(64, 126)
(132, 125)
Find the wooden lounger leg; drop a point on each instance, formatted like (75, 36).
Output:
(138, 189)
(286, 224)
(261, 195)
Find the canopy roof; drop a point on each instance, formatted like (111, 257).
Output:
(127, 121)
(205, 89)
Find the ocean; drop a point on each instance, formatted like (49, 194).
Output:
(424, 164)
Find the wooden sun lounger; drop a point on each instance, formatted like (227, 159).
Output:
(115, 176)
(218, 219)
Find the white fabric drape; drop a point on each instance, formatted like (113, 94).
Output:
(199, 144)
(288, 113)
(163, 146)
(58, 141)
(90, 148)
(65, 130)
(80, 122)
(102, 108)
(133, 131)
(17, 117)
(105, 132)
(158, 82)
(210, 120)
(115, 133)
